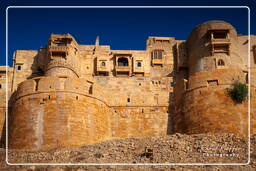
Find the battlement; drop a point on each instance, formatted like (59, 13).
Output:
(51, 84)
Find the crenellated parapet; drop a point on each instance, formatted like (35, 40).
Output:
(52, 84)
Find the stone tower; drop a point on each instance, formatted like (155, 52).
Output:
(214, 62)
(63, 57)
(57, 109)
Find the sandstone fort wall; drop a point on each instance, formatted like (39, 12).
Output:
(66, 94)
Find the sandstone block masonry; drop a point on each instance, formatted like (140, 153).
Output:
(67, 94)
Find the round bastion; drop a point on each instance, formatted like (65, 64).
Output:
(214, 66)
(205, 47)
(52, 112)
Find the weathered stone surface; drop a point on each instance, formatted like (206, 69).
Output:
(67, 94)
(201, 100)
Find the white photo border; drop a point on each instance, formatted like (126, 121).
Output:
(122, 164)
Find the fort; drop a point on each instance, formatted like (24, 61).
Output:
(67, 94)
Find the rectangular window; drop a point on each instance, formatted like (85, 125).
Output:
(220, 48)
(157, 54)
(220, 35)
(62, 81)
(61, 42)
(59, 54)
(212, 82)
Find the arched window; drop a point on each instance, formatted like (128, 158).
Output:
(122, 61)
(18, 67)
(138, 64)
(157, 54)
(103, 63)
(221, 62)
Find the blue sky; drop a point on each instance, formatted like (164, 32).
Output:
(122, 28)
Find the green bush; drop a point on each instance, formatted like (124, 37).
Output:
(238, 92)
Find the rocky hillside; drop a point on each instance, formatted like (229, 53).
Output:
(177, 148)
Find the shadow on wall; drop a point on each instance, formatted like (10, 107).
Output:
(3, 133)
(36, 69)
(170, 114)
(10, 104)
(95, 65)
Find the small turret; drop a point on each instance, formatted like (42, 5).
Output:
(62, 56)
(97, 41)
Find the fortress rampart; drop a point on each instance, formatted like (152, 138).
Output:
(67, 94)
(57, 117)
(215, 63)
(206, 106)
(66, 114)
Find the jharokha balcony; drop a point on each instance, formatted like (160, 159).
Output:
(220, 41)
(58, 51)
(123, 68)
(219, 36)
(58, 48)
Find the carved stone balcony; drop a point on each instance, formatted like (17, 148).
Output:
(58, 48)
(122, 68)
(220, 48)
(220, 41)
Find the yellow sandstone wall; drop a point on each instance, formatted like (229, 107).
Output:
(129, 122)
(253, 83)
(202, 103)
(54, 118)
(48, 115)
(207, 108)
(73, 100)
(253, 98)
(5, 73)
